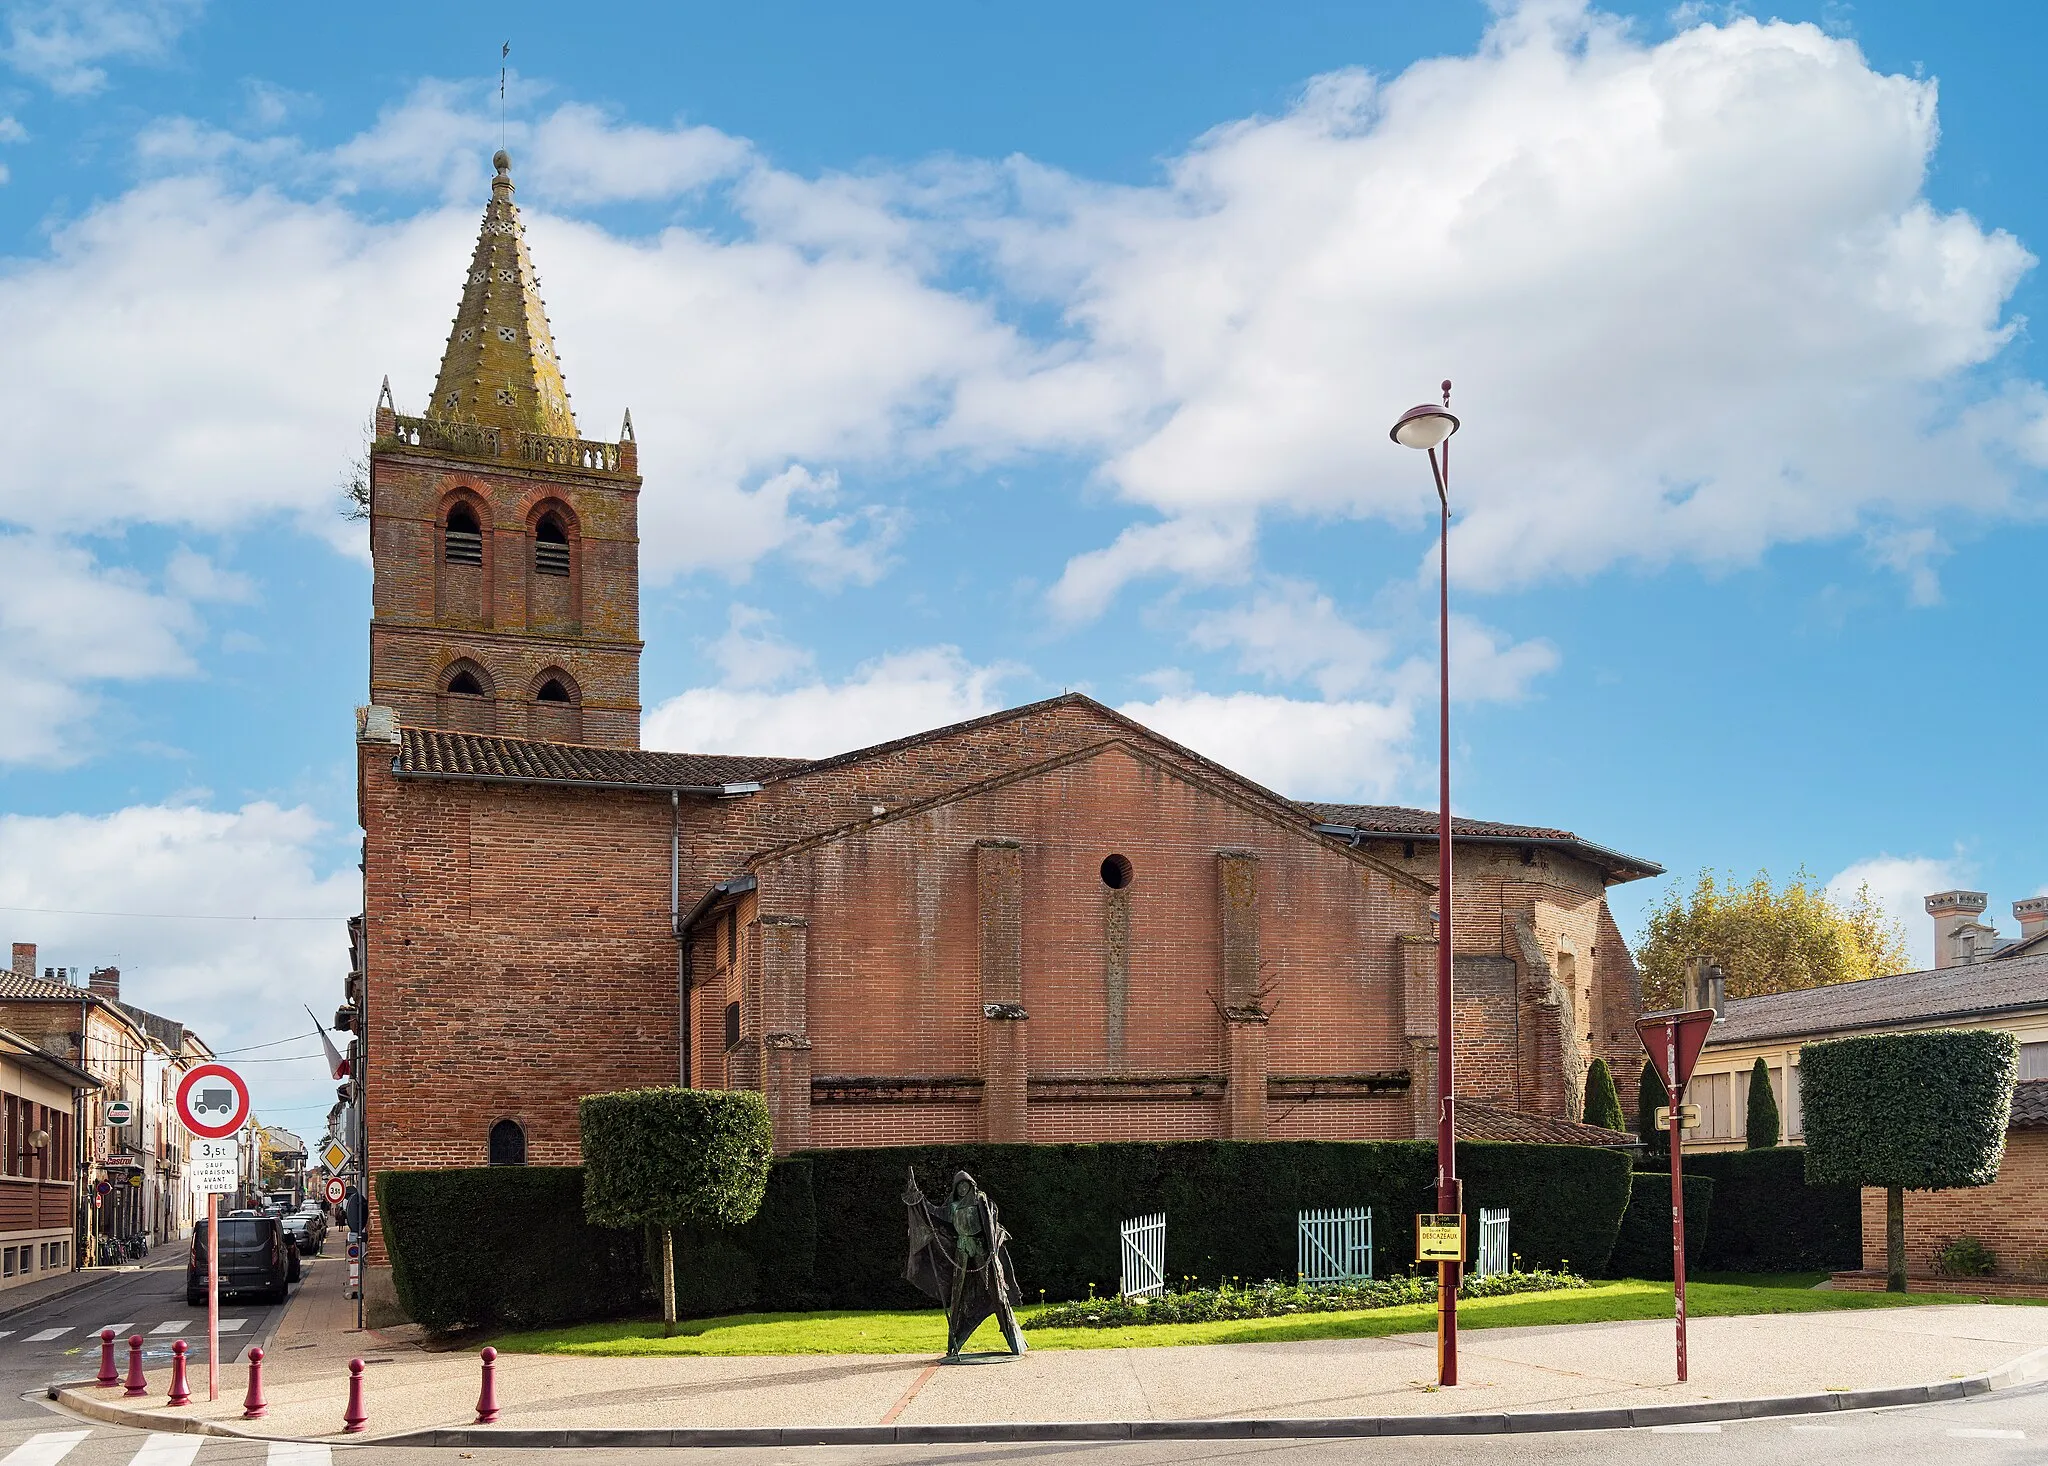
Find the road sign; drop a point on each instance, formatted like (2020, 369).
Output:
(335, 1190)
(1688, 1117)
(119, 1113)
(213, 1101)
(334, 1156)
(215, 1165)
(1691, 1037)
(1439, 1238)
(103, 1188)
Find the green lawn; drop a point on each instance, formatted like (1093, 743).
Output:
(924, 1331)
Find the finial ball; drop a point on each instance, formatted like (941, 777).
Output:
(502, 161)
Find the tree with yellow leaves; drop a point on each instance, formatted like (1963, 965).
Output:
(1767, 940)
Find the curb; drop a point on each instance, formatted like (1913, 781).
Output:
(81, 1397)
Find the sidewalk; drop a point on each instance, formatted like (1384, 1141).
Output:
(1613, 1368)
(29, 1295)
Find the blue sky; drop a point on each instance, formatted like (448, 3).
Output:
(978, 353)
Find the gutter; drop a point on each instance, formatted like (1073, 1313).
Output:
(737, 885)
(706, 791)
(1584, 849)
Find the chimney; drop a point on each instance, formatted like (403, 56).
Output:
(106, 982)
(24, 959)
(2032, 915)
(1952, 911)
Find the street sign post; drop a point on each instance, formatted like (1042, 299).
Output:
(1674, 1041)
(213, 1103)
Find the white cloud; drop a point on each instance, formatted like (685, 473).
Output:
(1337, 749)
(1199, 550)
(753, 654)
(12, 131)
(234, 982)
(1900, 883)
(890, 697)
(1694, 299)
(68, 623)
(62, 43)
(1290, 631)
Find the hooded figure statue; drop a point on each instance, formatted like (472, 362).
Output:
(960, 1256)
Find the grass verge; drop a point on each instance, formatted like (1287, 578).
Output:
(924, 1331)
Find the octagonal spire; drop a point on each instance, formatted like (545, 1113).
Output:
(500, 367)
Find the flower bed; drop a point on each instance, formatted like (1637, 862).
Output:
(1273, 1300)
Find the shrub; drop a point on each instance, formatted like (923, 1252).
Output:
(1966, 1257)
(1762, 1132)
(504, 1246)
(1643, 1250)
(1768, 1218)
(1650, 1096)
(1908, 1112)
(671, 1158)
(1276, 1300)
(1603, 1105)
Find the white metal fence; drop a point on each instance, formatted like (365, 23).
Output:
(1144, 1249)
(1493, 1240)
(1333, 1245)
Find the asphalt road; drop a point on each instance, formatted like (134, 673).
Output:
(59, 1339)
(2007, 1429)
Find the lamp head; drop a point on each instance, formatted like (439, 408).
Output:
(1424, 426)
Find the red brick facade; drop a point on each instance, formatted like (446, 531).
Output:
(2010, 1216)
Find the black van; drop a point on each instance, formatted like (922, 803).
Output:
(255, 1257)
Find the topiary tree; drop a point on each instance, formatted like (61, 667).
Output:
(1762, 1132)
(1603, 1105)
(1908, 1112)
(672, 1158)
(1649, 1096)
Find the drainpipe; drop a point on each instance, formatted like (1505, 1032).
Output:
(675, 919)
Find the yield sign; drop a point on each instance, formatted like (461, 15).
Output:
(1692, 1037)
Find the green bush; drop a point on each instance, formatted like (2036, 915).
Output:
(1643, 1250)
(1277, 1300)
(1922, 1111)
(1231, 1205)
(1650, 1096)
(674, 1157)
(1966, 1257)
(1603, 1105)
(765, 1264)
(504, 1246)
(1768, 1218)
(1762, 1130)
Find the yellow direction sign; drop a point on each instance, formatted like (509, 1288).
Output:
(1688, 1117)
(334, 1156)
(1439, 1237)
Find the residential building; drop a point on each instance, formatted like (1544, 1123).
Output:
(41, 1097)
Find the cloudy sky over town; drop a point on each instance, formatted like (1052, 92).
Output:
(958, 384)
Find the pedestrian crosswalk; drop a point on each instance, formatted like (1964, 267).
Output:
(170, 1328)
(48, 1448)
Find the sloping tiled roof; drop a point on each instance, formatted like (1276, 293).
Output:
(439, 753)
(2030, 1105)
(1478, 1121)
(17, 985)
(1398, 822)
(1978, 989)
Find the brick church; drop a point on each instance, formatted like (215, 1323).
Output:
(1050, 923)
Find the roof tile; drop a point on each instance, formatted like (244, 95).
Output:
(1477, 1121)
(1992, 986)
(440, 753)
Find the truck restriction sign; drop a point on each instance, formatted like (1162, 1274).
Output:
(213, 1101)
(335, 1190)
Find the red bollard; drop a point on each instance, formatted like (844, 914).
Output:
(137, 1385)
(356, 1417)
(487, 1402)
(254, 1406)
(180, 1394)
(110, 1372)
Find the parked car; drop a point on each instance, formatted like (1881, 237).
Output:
(308, 1230)
(257, 1255)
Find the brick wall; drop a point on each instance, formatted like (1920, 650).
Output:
(2010, 1215)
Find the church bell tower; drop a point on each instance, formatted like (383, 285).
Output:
(505, 547)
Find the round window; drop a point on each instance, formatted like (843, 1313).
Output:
(1116, 872)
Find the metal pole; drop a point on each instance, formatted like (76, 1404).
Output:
(1674, 1096)
(212, 1295)
(1448, 1200)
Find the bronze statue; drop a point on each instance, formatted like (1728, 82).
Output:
(960, 1256)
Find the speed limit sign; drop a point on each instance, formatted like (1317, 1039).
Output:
(335, 1190)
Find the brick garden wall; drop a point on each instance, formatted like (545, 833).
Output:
(2010, 1215)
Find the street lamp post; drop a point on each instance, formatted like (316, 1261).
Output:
(1429, 427)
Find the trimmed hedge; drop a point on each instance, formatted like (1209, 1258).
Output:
(1769, 1219)
(1922, 1111)
(1230, 1206)
(1761, 1132)
(1643, 1250)
(504, 1246)
(1603, 1103)
(674, 1157)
